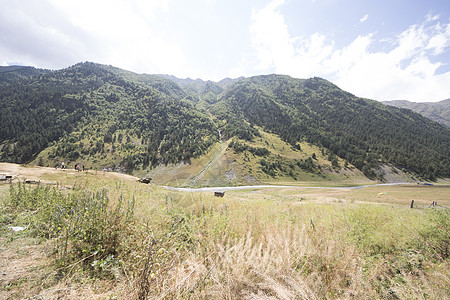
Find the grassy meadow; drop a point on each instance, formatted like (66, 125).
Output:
(96, 235)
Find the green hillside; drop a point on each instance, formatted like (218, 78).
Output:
(11, 74)
(97, 114)
(363, 132)
(105, 117)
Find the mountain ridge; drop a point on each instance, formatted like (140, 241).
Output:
(112, 118)
(436, 111)
(10, 74)
(315, 107)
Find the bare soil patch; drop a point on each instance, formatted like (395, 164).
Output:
(23, 266)
(27, 273)
(51, 175)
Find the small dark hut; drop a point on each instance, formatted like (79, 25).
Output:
(145, 180)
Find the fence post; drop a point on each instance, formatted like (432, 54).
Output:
(412, 203)
(312, 224)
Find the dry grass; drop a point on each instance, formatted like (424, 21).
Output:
(292, 263)
(260, 244)
(245, 248)
(422, 195)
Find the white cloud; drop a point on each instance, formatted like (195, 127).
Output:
(430, 17)
(117, 32)
(277, 51)
(270, 37)
(363, 19)
(440, 41)
(125, 35)
(405, 72)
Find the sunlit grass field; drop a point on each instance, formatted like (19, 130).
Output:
(108, 236)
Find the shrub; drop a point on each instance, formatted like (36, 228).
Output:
(86, 226)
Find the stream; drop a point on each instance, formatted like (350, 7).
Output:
(249, 187)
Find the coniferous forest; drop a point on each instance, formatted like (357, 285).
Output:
(140, 121)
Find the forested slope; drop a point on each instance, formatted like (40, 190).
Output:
(12, 74)
(362, 131)
(106, 116)
(84, 109)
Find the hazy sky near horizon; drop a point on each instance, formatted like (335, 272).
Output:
(383, 50)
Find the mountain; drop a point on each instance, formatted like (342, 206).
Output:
(273, 126)
(101, 114)
(11, 74)
(436, 111)
(202, 93)
(364, 132)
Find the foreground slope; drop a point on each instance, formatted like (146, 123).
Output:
(265, 160)
(103, 235)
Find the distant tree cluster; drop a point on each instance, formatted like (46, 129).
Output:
(285, 167)
(241, 147)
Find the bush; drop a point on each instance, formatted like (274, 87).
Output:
(85, 225)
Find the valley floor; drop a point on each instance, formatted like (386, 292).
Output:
(288, 242)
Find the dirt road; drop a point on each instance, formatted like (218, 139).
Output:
(46, 174)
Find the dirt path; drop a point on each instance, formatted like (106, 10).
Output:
(27, 273)
(194, 181)
(22, 172)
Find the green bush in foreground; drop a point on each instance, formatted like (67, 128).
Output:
(88, 229)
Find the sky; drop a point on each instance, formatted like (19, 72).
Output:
(382, 50)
